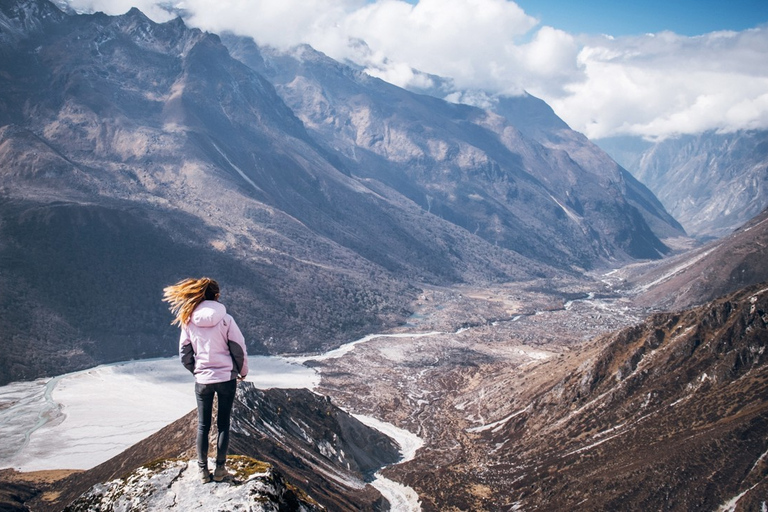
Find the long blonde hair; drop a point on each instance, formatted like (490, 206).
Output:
(185, 296)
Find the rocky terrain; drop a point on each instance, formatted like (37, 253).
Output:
(667, 413)
(173, 485)
(712, 182)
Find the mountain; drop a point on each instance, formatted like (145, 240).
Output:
(134, 154)
(704, 273)
(653, 410)
(462, 163)
(537, 120)
(711, 182)
(317, 448)
(669, 414)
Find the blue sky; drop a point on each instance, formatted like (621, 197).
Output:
(616, 18)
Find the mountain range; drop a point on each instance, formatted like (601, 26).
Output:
(134, 154)
(711, 182)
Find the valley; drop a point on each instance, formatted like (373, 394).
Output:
(518, 409)
(476, 382)
(487, 356)
(437, 377)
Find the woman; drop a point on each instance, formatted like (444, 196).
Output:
(213, 349)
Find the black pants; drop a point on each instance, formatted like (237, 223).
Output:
(204, 392)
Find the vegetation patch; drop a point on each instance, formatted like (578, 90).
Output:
(246, 467)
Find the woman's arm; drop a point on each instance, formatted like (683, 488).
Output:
(186, 352)
(236, 343)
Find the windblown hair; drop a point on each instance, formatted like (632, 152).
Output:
(185, 296)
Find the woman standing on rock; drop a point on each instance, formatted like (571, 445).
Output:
(213, 349)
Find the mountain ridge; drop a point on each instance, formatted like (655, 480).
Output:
(704, 273)
(369, 120)
(712, 182)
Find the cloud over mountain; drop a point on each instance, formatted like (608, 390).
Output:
(657, 85)
(652, 85)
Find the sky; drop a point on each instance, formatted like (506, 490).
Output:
(653, 69)
(684, 17)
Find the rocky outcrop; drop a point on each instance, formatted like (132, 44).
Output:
(308, 424)
(174, 485)
(314, 442)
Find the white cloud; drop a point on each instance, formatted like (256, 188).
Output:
(654, 85)
(114, 7)
(659, 85)
(472, 41)
(281, 23)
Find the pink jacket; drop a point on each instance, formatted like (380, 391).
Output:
(211, 345)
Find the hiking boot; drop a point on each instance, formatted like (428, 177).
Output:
(205, 475)
(220, 473)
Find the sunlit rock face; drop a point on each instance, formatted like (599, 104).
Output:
(515, 175)
(173, 484)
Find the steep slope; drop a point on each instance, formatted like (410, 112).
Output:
(322, 450)
(711, 182)
(538, 121)
(135, 153)
(314, 442)
(467, 165)
(645, 422)
(705, 273)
